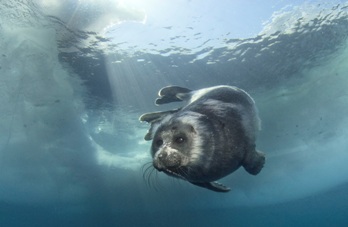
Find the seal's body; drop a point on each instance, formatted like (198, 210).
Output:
(209, 138)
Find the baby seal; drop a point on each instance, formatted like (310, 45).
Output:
(208, 138)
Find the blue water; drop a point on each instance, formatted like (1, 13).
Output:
(76, 75)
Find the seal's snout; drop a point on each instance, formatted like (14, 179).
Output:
(165, 160)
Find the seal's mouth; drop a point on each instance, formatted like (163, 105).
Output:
(178, 172)
(175, 173)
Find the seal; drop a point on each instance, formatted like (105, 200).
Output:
(208, 138)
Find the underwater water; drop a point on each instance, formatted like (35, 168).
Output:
(76, 75)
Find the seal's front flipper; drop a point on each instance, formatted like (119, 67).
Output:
(214, 186)
(154, 118)
(171, 94)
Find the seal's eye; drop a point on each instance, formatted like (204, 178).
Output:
(159, 142)
(180, 140)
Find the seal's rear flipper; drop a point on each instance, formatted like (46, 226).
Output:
(253, 162)
(214, 186)
(171, 94)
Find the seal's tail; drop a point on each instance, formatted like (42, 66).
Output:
(254, 162)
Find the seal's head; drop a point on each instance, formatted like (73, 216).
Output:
(174, 145)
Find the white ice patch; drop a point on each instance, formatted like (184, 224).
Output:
(41, 137)
(133, 162)
(90, 15)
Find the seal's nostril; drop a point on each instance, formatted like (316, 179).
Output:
(162, 156)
